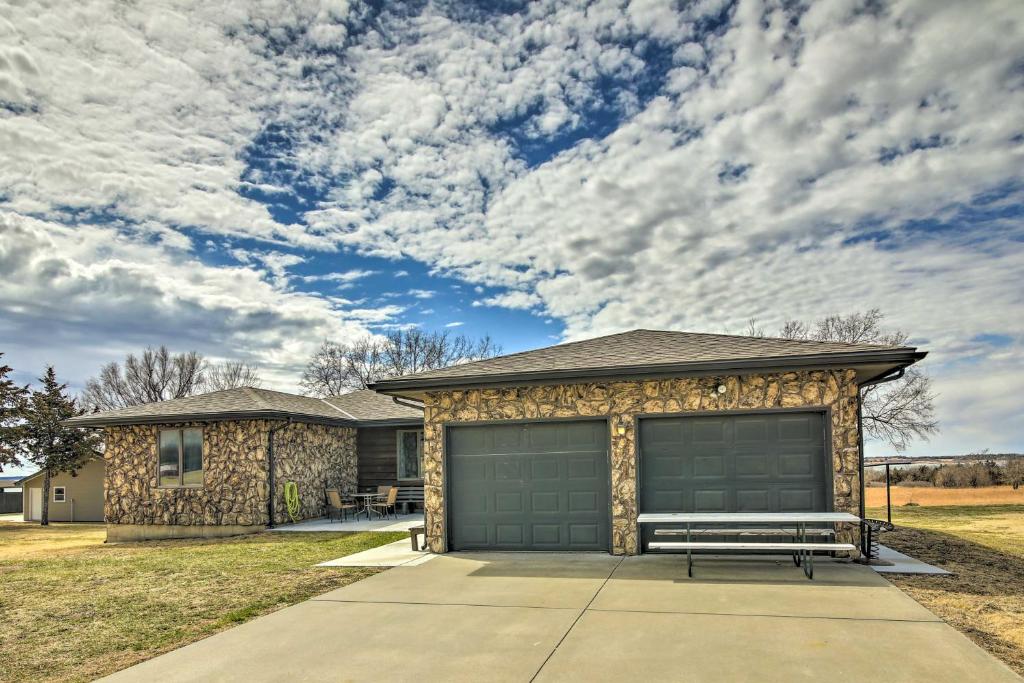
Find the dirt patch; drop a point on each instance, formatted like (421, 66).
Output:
(984, 598)
(928, 496)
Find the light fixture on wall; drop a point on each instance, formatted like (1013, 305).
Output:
(620, 430)
(721, 388)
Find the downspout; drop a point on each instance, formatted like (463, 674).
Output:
(270, 471)
(407, 403)
(860, 428)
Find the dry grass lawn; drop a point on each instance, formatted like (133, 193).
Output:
(985, 495)
(984, 548)
(76, 609)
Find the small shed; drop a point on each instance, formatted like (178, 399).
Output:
(73, 498)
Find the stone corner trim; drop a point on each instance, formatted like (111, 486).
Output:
(621, 403)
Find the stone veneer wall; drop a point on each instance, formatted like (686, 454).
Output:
(315, 457)
(620, 403)
(233, 497)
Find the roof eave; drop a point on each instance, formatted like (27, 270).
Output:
(898, 358)
(226, 416)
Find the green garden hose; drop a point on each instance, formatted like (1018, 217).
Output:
(291, 499)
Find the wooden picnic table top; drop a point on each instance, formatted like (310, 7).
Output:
(744, 517)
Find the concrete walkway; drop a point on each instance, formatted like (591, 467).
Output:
(583, 617)
(903, 564)
(397, 554)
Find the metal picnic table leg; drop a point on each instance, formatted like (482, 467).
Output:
(689, 553)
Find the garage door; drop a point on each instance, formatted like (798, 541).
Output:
(772, 462)
(541, 486)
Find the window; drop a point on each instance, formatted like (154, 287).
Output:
(410, 454)
(60, 494)
(181, 457)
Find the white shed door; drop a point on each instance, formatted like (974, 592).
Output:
(35, 504)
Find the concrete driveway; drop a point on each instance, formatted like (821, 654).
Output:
(524, 617)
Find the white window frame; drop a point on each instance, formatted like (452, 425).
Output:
(398, 454)
(63, 494)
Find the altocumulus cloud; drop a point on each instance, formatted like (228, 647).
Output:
(605, 165)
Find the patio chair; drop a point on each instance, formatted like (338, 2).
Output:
(382, 507)
(336, 504)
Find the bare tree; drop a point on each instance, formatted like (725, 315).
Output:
(337, 368)
(154, 375)
(896, 412)
(231, 374)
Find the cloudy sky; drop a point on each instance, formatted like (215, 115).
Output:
(250, 178)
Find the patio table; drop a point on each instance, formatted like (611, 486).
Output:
(803, 552)
(366, 498)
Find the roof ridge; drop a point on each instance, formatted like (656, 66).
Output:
(520, 353)
(785, 339)
(344, 412)
(252, 393)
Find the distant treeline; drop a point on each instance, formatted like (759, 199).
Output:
(960, 475)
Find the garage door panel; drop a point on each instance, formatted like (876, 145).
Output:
(508, 468)
(544, 501)
(584, 467)
(508, 439)
(547, 535)
(586, 436)
(508, 534)
(669, 500)
(765, 462)
(551, 495)
(752, 465)
(508, 502)
(709, 466)
(584, 536)
(710, 500)
(709, 431)
(796, 464)
(751, 429)
(583, 501)
(543, 468)
(666, 465)
(753, 500)
(658, 433)
(796, 500)
(799, 428)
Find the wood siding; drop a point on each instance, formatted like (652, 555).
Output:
(378, 457)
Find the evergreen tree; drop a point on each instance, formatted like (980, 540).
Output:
(49, 443)
(12, 404)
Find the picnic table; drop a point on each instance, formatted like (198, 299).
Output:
(791, 524)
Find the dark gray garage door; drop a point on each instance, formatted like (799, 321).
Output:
(541, 486)
(770, 462)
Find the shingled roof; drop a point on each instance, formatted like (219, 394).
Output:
(640, 352)
(367, 405)
(252, 403)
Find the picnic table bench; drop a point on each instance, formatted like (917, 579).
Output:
(788, 524)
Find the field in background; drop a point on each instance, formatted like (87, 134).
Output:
(984, 548)
(928, 495)
(75, 609)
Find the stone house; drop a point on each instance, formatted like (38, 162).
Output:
(554, 449)
(216, 464)
(560, 448)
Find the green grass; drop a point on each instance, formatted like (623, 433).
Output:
(983, 545)
(74, 608)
